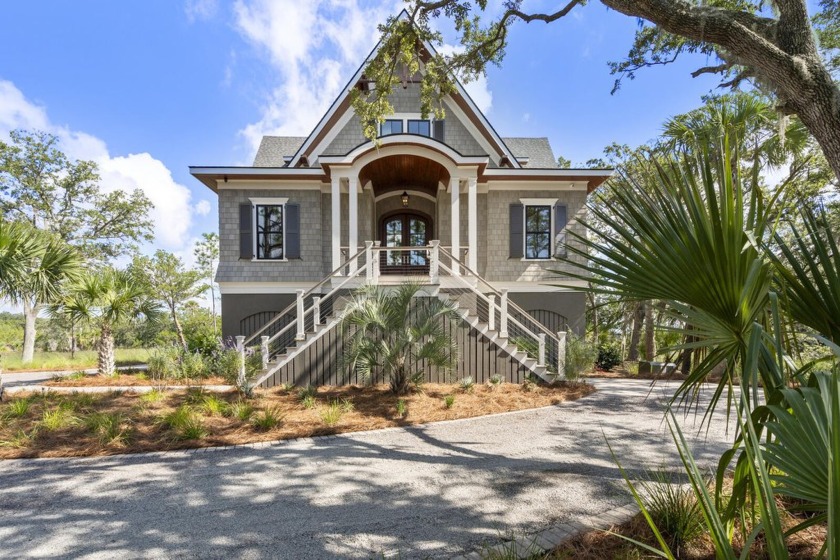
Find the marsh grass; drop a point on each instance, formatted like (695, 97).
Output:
(241, 410)
(212, 405)
(109, 428)
(57, 419)
(449, 401)
(267, 419)
(332, 413)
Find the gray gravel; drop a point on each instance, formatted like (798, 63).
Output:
(429, 491)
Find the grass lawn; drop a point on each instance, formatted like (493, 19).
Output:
(79, 424)
(128, 378)
(60, 361)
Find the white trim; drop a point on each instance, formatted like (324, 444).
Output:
(579, 186)
(410, 192)
(526, 202)
(559, 173)
(335, 203)
(538, 201)
(520, 287)
(472, 222)
(263, 287)
(256, 171)
(353, 219)
(289, 185)
(456, 111)
(268, 201)
(423, 146)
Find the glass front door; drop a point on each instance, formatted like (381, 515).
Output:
(405, 230)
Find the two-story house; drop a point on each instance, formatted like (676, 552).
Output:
(477, 217)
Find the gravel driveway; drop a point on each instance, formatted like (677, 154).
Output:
(429, 491)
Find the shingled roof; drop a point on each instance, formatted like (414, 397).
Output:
(537, 150)
(274, 148)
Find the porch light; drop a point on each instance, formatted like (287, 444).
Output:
(404, 198)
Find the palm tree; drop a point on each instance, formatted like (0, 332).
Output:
(392, 333)
(106, 299)
(35, 267)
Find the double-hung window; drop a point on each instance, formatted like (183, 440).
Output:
(537, 231)
(269, 230)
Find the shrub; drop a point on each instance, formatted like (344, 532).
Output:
(467, 384)
(309, 391)
(580, 356)
(214, 406)
(241, 410)
(163, 363)
(608, 357)
(153, 396)
(673, 508)
(267, 419)
(192, 365)
(402, 408)
(184, 422)
(57, 419)
(448, 401)
(331, 414)
(308, 401)
(110, 429)
(17, 408)
(529, 385)
(224, 362)
(496, 380)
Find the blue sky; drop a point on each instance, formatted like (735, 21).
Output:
(147, 88)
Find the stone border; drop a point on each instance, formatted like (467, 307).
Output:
(547, 540)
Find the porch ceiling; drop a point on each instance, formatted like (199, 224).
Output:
(400, 172)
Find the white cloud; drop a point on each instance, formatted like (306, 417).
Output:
(314, 47)
(200, 9)
(202, 207)
(172, 211)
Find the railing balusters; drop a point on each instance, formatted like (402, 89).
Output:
(434, 262)
(561, 353)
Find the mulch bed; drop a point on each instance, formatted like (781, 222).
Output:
(141, 427)
(128, 380)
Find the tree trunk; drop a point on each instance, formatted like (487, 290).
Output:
(178, 329)
(30, 314)
(650, 350)
(595, 325)
(399, 381)
(638, 318)
(107, 364)
(213, 306)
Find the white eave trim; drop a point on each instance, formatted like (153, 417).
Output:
(256, 172)
(559, 173)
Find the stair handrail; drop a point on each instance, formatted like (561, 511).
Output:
(511, 304)
(309, 292)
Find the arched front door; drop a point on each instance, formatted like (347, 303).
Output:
(406, 229)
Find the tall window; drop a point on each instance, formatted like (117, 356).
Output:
(391, 126)
(537, 232)
(269, 231)
(423, 128)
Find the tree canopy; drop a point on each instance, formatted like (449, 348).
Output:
(774, 47)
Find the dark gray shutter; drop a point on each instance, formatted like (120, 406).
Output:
(292, 225)
(517, 231)
(560, 221)
(439, 130)
(246, 231)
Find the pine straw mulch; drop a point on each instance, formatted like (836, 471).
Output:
(139, 425)
(123, 379)
(599, 545)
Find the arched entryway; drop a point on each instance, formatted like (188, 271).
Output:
(405, 228)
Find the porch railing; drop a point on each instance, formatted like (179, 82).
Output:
(493, 307)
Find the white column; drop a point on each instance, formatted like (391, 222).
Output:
(455, 193)
(335, 198)
(561, 354)
(301, 323)
(472, 232)
(353, 226)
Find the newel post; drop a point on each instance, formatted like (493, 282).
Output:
(301, 323)
(316, 311)
(376, 258)
(264, 351)
(503, 305)
(240, 347)
(491, 311)
(541, 353)
(369, 261)
(561, 353)
(434, 261)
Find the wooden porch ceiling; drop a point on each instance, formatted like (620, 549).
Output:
(404, 172)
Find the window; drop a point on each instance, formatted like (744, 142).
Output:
(537, 232)
(269, 230)
(391, 126)
(423, 128)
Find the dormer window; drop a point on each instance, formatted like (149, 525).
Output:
(391, 126)
(423, 128)
(408, 123)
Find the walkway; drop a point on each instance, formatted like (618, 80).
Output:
(437, 490)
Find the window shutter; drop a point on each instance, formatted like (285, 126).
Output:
(439, 130)
(246, 231)
(292, 233)
(517, 231)
(560, 221)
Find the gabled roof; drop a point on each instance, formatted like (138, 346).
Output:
(273, 150)
(537, 150)
(460, 97)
